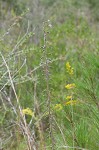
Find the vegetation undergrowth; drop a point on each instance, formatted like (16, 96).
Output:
(49, 92)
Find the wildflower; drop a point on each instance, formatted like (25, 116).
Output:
(28, 111)
(69, 97)
(58, 107)
(71, 102)
(69, 68)
(70, 86)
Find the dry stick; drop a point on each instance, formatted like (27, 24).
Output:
(11, 80)
(20, 110)
(13, 75)
(47, 83)
(19, 42)
(8, 98)
(8, 31)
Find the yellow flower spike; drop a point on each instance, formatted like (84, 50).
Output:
(70, 86)
(71, 102)
(71, 72)
(68, 65)
(69, 68)
(58, 107)
(28, 111)
(69, 97)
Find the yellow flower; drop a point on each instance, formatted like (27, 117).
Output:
(69, 68)
(71, 102)
(58, 107)
(28, 111)
(70, 86)
(69, 97)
